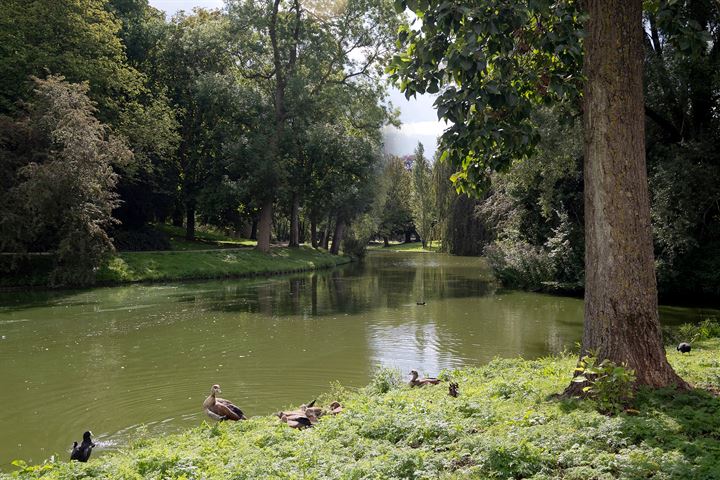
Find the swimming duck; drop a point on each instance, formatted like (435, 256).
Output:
(684, 347)
(421, 382)
(221, 409)
(82, 452)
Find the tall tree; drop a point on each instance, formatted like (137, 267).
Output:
(300, 50)
(61, 193)
(621, 315)
(423, 201)
(194, 58)
(495, 62)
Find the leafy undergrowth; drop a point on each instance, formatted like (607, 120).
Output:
(179, 265)
(504, 424)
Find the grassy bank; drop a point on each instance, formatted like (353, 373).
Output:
(504, 424)
(219, 263)
(406, 247)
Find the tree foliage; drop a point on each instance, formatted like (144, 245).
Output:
(62, 192)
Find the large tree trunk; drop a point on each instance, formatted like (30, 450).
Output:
(621, 315)
(265, 227)
(190, 220)
(338, 236)
(326, 233)
(386, 242)
(313, 232)
(177, 216)
(295, 221)
(253, 230)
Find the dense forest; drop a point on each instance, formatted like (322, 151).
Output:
(265, 120)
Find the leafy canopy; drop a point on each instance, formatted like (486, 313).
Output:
(492, 63)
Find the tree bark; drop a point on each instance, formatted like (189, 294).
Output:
(386, 242)
(295, 221)
(177, 216)
(408, 236)
(264, 227)
(190, 220)
(313, 232)
(253, 230)
(326, 233)
(621, 315)
(337, 236)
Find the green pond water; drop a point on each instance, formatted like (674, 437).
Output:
(115, 360)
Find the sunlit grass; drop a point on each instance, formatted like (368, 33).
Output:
(505, 424)
(407, 247)
(205, 238)
(171, 265)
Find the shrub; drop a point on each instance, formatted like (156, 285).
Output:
(384, 380)
(692, 332)
(354, 247)
(608, 384)
(520, 265)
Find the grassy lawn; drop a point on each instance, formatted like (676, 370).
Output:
(406, 247)
(204, 238)
(179, 265)
(211, 255)
(504, 424)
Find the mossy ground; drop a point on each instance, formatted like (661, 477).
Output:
(505, 424)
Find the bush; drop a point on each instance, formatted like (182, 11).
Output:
(608, 384)
(692, 332)
(354, 247)
(518, 264)
(384, 380)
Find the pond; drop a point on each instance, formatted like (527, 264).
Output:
(116, 360)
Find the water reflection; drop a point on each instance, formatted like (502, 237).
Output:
(111, 359)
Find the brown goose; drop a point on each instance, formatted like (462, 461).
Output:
(335, 408)
(421, 382)
(298, 421)
(221, 409)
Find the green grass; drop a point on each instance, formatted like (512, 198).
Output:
(407, 247)
(182, 265)
(505, 424)
(205, 238)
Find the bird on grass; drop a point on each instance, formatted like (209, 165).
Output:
(421, 382)
(82, 452)
(421, 303)
(221, 409)
(684, 347)
(453, 390)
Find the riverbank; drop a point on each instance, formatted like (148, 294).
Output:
(406, 247)
(205, 264)
(130, 267)
(504, 424)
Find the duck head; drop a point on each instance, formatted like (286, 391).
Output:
(414, 374)
(86, 436)
(215, 389)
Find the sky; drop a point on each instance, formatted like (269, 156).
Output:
(419, 121)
